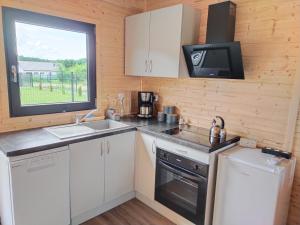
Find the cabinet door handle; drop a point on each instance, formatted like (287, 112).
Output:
(150, 66)
(153, 147)
(108, 147)
(101, 149)
(146, 65)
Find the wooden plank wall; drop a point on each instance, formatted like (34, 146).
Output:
(294, 217)
(108, 15)
(257, 107)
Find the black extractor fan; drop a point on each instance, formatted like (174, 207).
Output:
(221, 56)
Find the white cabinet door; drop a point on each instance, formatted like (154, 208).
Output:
(87, 176)
(119, 165)
(165, 41)
(145, 164)
(137, 44)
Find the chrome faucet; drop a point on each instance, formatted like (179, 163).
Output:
(79, 118)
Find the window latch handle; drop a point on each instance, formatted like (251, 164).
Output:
(14, 77)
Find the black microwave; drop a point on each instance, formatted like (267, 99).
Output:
(220, 60)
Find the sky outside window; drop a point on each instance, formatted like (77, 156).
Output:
(49, 43)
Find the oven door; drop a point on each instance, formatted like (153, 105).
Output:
(181, 191)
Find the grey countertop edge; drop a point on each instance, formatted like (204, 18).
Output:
(150, 127)
(67, 142)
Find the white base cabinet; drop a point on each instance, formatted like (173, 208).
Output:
(145, 162)
(102, 171)
(86, 176)
(119, 165)
(67, 185)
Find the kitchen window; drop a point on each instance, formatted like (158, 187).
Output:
(51, 63)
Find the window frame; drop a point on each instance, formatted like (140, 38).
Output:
(10, 16)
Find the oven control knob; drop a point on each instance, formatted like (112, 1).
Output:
(195, 167)
(165, 155)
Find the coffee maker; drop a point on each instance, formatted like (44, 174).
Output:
(145, 104)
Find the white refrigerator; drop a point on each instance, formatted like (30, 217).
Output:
(252, 188)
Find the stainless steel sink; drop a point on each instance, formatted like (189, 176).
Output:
(76, 130)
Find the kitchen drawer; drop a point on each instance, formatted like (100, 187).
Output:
(183, 150)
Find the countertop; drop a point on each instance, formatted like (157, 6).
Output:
(34, 140)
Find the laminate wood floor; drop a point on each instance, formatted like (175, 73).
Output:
(132, 212)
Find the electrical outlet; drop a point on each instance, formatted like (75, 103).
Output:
(245, 142)
(121, 96)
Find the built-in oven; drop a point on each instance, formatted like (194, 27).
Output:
(181, 185)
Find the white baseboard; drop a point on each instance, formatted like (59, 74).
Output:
(164, 211)
(101, 209)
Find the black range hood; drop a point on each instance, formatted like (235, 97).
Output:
(221, 56)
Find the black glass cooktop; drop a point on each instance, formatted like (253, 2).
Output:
(201, 136)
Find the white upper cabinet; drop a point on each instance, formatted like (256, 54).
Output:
(153, 41)
(165, 44)
(137, 44)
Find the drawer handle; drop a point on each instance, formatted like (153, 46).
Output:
(40, 167)
(182, 151)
